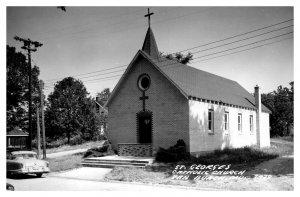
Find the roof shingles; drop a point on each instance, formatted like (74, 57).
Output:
(204, 85)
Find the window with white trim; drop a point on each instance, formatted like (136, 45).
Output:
(226, 122)
(240, 123)
(211, 121)
(251, 124)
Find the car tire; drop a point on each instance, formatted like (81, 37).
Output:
(39, 175)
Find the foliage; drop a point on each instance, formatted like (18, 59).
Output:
(281, 103)
(173, 154)
(70, 112)
(17, 89)
(55, 146)
(102, 97)
(104, 94)
(234, 156)
(100, 151)
(178, 153)
(179, 57)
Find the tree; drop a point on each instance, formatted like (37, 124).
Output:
(70, 111)
(17, 88)
(104, 94)
(281, 103)
(179, 57)
(102, 97)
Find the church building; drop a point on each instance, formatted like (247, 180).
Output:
(159, 101)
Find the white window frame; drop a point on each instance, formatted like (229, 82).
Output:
(251, 124)
(240, 123)
(210, 122)
(226, 123)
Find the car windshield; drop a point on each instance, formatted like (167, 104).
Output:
(24, 156)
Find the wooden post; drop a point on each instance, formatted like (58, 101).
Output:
(28, 46)
(43, 120)
(38, 143)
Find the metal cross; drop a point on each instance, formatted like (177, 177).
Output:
(148, 15)
(143, 98)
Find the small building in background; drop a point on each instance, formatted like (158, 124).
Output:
(16, 139)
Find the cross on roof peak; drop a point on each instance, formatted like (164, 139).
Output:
(149, 15)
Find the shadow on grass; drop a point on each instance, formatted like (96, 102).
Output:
(245, 158)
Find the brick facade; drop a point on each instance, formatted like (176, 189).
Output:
(168, 106)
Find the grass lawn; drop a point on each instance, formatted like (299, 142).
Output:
(241, 159)
(65, 163)
(74, 147)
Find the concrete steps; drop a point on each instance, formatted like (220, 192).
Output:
(116, 161)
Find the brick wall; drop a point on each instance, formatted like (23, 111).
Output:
(168, 105)
(136, 150)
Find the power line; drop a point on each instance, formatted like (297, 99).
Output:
(243, 45)
(243, 39)
(200, 51)
(175, 62)
(205, 44)
(89, 72)
(236, 35)
(242, 50)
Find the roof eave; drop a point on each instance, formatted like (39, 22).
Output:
(157, 67)
(140, 52)
(121, 79)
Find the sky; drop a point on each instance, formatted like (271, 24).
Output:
(94, 44)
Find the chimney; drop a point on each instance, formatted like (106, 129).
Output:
(257, 96)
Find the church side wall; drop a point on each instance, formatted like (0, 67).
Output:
(265, 130)
(168, 105)
(202, 141)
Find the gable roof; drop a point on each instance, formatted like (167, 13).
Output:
(192, 82)
(197, 83)
(17, 132)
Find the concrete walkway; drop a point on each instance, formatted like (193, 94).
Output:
(123, 158)
(64, 153)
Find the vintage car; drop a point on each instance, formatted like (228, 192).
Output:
(25, 162)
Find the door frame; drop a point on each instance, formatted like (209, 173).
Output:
(144, 113)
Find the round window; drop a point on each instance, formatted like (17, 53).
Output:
(144, 82)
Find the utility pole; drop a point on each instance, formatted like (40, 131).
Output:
(29, 46)
(38, 132)
(43, 119)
